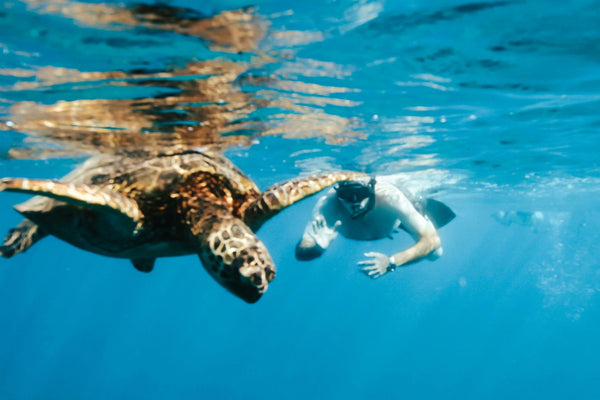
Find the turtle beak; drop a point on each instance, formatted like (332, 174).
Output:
(247, 276)
(247, 289)
(255, 273)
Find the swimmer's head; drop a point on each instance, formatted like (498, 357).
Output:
(356, 197)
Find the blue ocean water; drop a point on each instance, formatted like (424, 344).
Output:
(490, 107)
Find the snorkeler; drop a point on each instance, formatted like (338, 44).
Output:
(372, 209)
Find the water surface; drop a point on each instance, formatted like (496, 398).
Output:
(490, 107)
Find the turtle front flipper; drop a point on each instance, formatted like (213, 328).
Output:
(286, 193)
(86, 196)
(233, 255)
(20, 238)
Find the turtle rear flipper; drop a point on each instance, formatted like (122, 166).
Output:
(86, 196)
(20, 238)
(286, 193)
(233, 255)
(143, 264)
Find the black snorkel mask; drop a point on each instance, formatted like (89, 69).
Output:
(359, 196)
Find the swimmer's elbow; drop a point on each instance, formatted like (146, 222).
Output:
(434, 240)
(435, 244)
(437, 253)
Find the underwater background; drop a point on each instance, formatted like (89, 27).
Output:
(490, 107)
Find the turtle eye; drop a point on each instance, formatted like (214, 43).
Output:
(270, 274)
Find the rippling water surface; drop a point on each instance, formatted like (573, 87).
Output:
(492, 107)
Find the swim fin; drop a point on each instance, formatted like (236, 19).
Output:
(439, 213)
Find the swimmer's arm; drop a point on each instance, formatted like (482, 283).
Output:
(317, 235)
(316, 239)
(428, 242)
(429, 245)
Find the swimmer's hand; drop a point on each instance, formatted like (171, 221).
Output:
(378, 265)
(321, 233)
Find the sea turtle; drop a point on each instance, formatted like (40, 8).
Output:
(142, 208)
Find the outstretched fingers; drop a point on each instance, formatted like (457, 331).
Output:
(319, 223)
(376, 266)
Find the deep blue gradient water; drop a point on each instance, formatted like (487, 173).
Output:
(492, 107)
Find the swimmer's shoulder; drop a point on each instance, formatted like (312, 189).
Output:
(390, 193)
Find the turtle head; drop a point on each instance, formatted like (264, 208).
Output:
(238, 260)
(252, 270)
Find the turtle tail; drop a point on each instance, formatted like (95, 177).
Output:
(286, 193)
(20, 238)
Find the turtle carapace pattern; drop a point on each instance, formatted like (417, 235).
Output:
(174, 204)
